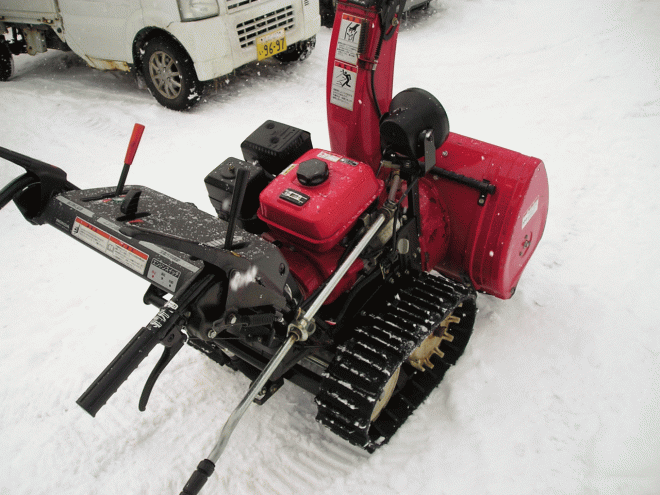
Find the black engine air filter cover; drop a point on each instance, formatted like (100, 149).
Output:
(412, 111)
(275, 146)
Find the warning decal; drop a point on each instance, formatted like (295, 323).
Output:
(331, 157)
(344, 77)
(349, 39)
(110, 246)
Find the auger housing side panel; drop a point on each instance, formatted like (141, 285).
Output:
(492, 237)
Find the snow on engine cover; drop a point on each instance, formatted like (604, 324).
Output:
(316, 200)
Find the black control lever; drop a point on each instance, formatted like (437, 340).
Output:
(173, 343)
(129, 358)
(245, 321)
(236, 203)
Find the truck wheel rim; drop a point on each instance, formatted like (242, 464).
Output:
(165, 75)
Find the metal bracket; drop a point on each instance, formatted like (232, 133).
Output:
(483, 186)
(303, 326)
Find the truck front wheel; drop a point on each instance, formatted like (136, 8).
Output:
(170, 74)
(6, 61)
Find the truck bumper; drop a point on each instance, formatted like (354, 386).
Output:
(221, 44)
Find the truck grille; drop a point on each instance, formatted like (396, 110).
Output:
(234, 4)
(281, 18)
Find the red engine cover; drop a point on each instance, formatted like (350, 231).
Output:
(311, 269)
(318, 217)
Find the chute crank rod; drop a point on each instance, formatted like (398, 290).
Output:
(303, 323)
(298, 330)
(206, 467)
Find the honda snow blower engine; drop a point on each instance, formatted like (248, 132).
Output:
(352, 272)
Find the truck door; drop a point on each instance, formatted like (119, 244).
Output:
(102, 31)
(32, 10)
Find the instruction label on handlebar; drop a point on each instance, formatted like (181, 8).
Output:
(109, 245)
(163, 274)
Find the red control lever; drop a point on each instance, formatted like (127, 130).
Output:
(133, 144)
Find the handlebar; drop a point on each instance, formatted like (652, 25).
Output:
(169, 316)
(116, 373)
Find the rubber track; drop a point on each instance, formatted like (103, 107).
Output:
(383, 339)
(209, 349)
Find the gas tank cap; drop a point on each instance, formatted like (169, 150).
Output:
(312, 172)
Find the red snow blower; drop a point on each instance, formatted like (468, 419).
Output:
(352, 272)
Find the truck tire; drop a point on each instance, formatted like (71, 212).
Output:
(6, 61)
(170, 74)
(327, 10)
(298, 52)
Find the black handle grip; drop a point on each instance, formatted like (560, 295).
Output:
(142, 343)
(116, 373)
(198, 478)
(14, 187)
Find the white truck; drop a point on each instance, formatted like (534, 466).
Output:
(176, 45)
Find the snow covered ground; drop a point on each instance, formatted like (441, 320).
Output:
(559, 389)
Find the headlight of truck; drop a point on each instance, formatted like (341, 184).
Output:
(194, 10)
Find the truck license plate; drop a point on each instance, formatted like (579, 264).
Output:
(270, 44)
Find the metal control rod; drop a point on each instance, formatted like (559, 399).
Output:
(254, 390)
(298, 330)
(206, 467)
(304, 322)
